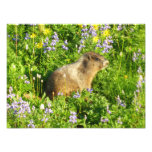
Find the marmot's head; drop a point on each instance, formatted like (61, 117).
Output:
(94, 61)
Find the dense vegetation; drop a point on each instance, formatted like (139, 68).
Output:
(117, 97)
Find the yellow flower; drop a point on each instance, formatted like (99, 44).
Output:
(125, 76)
(106, 33)
(46, 31)
(95, 26)
(80, 25)
(33, 35)
(39, 45)
(95, 39)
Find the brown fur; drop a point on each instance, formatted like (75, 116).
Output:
(75, 76)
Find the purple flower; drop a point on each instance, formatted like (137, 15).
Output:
(47, 39)
(44, 119)
(104, 120)
(120, 102)
(10, 89)
(119, 121)
(27, 82)
(119, 27)
(53, 48)
(77, 95)
(65, 42)
(31, 125)
(53, 43)
(49, 104)
(84, 30)
(108, 110)
(27, 36)
(89, 90)
(64, 47)
(73, 117)
(48, 48)
(55, 36)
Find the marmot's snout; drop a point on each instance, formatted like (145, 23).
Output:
(105, 63)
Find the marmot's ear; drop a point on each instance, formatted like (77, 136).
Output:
(88, 56)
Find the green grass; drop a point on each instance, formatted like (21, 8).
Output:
(98, 109)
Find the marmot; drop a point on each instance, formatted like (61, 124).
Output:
(76, 76)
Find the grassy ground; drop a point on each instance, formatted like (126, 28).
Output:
(118, 96)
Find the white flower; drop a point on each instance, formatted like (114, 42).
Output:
(39, 76)
(42, 106)
(26, 46)
(33, 78)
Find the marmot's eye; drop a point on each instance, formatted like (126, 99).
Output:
(97, 59)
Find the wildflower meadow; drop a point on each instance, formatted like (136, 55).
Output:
(117, 96)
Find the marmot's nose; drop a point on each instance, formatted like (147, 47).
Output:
(106, 62)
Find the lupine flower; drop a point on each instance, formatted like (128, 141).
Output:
(53, 48)
(66, 42)
(20, 108)
(49, 104)
(106, 45)
(10, 95)
(49, 48)
(104, 120)
(44, 119)
(73, 117)
(143, 57)
(120, 102)
(139, 83)
(48, 110)
(108, 110)
(105, 27)
(55, 36)
(92, 31)
(134, 57)
(119, 121)
(31, 124)
(119, 27)
(89, 90)
(77, 95)
(64, 47)
(10, 89)
(82, 41)
(8, 106)
(27, 36)
(33, 108)
(27, 82)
